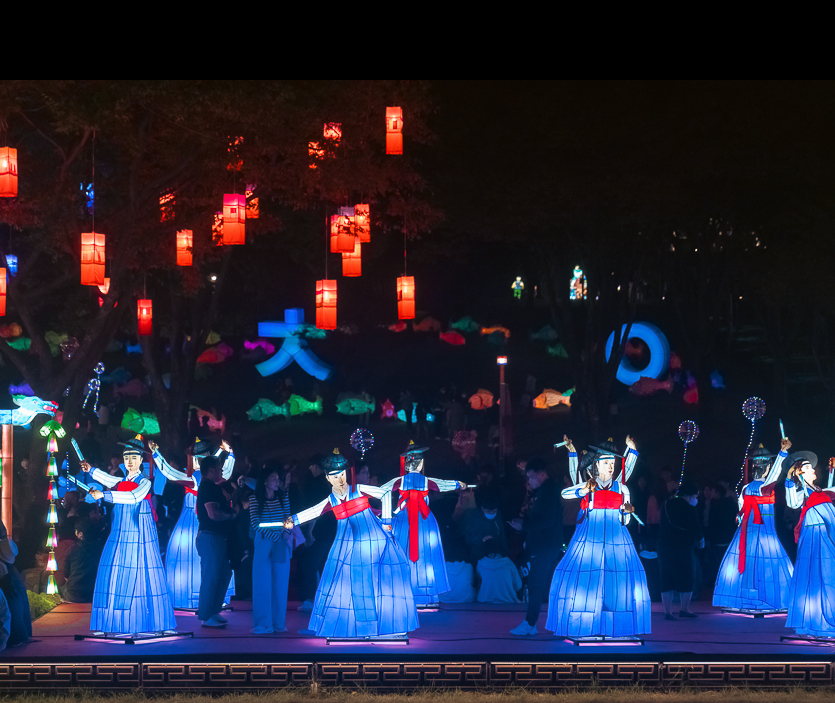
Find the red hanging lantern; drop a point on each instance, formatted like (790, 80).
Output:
(234, 218)
(8, 172)
(326, 304)
(394, 135)
(92, 259)
(185, 240)
(333, 131)
(342, 234)
(406, 297)
(362, 222)
(103, 289)
(144, 317)
(3, 279)
(166, 207)
(352, 263)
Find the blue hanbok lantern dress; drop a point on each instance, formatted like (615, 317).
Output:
(599, 587)
(130, 594)
(811, 597)
(182, 562)
(365, 589)
(756, 571)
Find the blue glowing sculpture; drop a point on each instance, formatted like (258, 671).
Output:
(130, 594)
(599, 587)
(365, 589)
(27, 408)
(11, 264)
(294, 348)
(182, 563)
(756, 571)
(659, 353)
(812, 590)
(415, 527)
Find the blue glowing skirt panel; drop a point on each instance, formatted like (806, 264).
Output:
(764, 585)
(599, 587)
(131, 594)
(182, 562)
(365, 589)
(811, 598)
(429, 577)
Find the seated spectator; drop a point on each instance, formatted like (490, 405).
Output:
(460, 574)
(500, 580)
(5, 621)
(81, 563)
(14, 591)
(484, 527)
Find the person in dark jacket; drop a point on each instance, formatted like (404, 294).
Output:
(81, 564)
(543, 529)
(679, 533)
(484, 528)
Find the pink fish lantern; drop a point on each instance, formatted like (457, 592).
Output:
(453, 337)
(387, 410)
(260, 343)
(481, 399)
(464, 443)
(398, 327)
(427, 324)
(647, 386)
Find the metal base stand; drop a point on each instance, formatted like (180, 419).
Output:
(808, 639)
(751, 613)
(603, 641)
(134, 637)
(428, 608)
(400, 639)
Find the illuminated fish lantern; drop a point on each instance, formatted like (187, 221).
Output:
(54, 340)
(691, 395)
(133, 348)
(466, 324)
(398, 327)
(299, 405)
(144, 423)
(496, 329)
(453, 337)
(348, 404)
(21, 344)
(215, 355)
(481, 399)
(25, 389)
(11, 330)
(464, 443)
(716, 380)
(647, 386)
(262, 344)
(558, 350)
(427, 324)
(549, 398)
(387, 410)
(313, 332)
(213, 421)
(265, 408)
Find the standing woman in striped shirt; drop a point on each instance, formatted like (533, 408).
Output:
(273, 549)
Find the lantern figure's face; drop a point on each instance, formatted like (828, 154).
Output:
(605, 470)
(133, 463)
(339, 482)
(809, 474)
(414, 464)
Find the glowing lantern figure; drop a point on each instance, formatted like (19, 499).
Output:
(362, 222)
(166, 207)
(144, 317)
(406, 297)
(3, 292)
(352, 263)
(578, 285)
(8, 172)
(92, 259)
(185, 240)
(326, 304)
(517, 286)
(342, 234)
(394, 133)
(234, 219)
(11, 263)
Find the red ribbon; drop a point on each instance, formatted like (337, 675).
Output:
(817, 498)
(129, 486)
(750, 505)
(603, 498)
(415, 502)
(350, 507)
(190, 490)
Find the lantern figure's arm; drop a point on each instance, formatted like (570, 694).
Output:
(129, 497)
(8, 550)
(740, 499)
(388, 487)
(578, 491)
(776, 468)
(105, 478)
(629, 464)
(312, 513)
(377, 492)
(442, 486)
(169, 471)
(624, 491)
(795, 496)
(573, 465)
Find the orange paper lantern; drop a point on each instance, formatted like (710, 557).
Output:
(103, 289)
(2, 291)
(352, 263)
(144, 317)
(394, 135)
(326, 304)
(342, 234)
(333, 131)
(185, 241)
(234, 218)
(8, 172)
(406, 297)
(362, 222)
(92, 259)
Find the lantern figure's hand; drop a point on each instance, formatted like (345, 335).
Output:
(591, 485)
(631, 443)
(96, 494)
(153, 446)
(785, 445)
(288, 524)
(568, 444)
(628, 508)
(224, 445)
(387, 528)
(85, 466)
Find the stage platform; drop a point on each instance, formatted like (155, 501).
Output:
(462, 646)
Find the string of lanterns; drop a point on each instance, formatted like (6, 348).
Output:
(52, 430)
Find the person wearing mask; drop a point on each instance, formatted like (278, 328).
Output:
(543, 537)
(599, 588)
(680, 532)
(273, 549)
(484, 530)
(81, 564)
(214, 523)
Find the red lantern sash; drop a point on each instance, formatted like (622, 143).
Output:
(191, 490)
(131, 485)
(817, 498)
(750, 506)
(604, 499)
(350, 507)
(415, 502)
